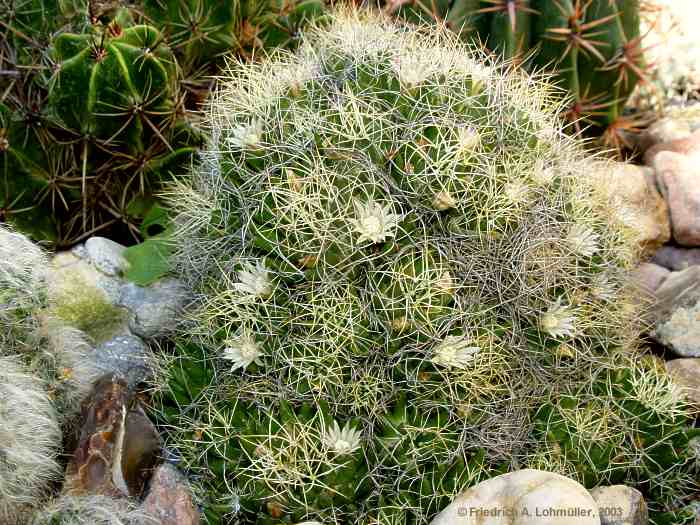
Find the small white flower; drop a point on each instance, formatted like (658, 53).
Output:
(582, 240)
(254, 280)
(558, 321)
(516, 192)
(541, 174)
(454, 352)
(443, 200)
(242, 350)
(468, 139)
(246, 136)
(342, 441)
(413, 69)
(445, 283)
(602, 289)
(374, 223)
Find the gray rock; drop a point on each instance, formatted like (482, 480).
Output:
(153, 308)
(106, 255)
(80, 251)
(169, 499)
(677, 312)
(675, 258)
(620, 505)
(648, 277)
(678, 177)
(686, 374)
(127, 356)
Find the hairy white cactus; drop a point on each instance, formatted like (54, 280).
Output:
(30, 441)
(92, 510)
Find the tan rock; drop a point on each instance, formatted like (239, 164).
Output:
(169, 498)
(684, 146)
(632, 191)
(686, 374)
(620, 505)
(524, 497)
(678, 177)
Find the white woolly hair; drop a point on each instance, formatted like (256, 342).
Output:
(23, 267)
(30, 438)
(70, 365)
(92, 510)
(22, 262)
(59, 354)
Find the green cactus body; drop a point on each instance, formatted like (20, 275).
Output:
(97, 135)
(24, 175)
(592, 47)
(599, 437)
(30, 24)
(390, 234)
(202, 30)
(107, 86)
(197, 29)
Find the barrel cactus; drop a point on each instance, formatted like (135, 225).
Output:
(593, 48)
(399, 257)
(28, 25)
(88, 140)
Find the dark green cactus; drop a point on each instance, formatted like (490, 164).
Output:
(97, 126)
(114, 87)
(202, 30)
(28, 25)
(25, 177)
(593, 47)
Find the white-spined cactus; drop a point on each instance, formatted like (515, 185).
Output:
(395, 246)
(46, 369)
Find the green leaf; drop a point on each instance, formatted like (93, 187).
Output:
(148, 261)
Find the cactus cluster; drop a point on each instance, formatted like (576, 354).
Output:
(593, 48)
(628, 426)
(400, 258)
(97, 100)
